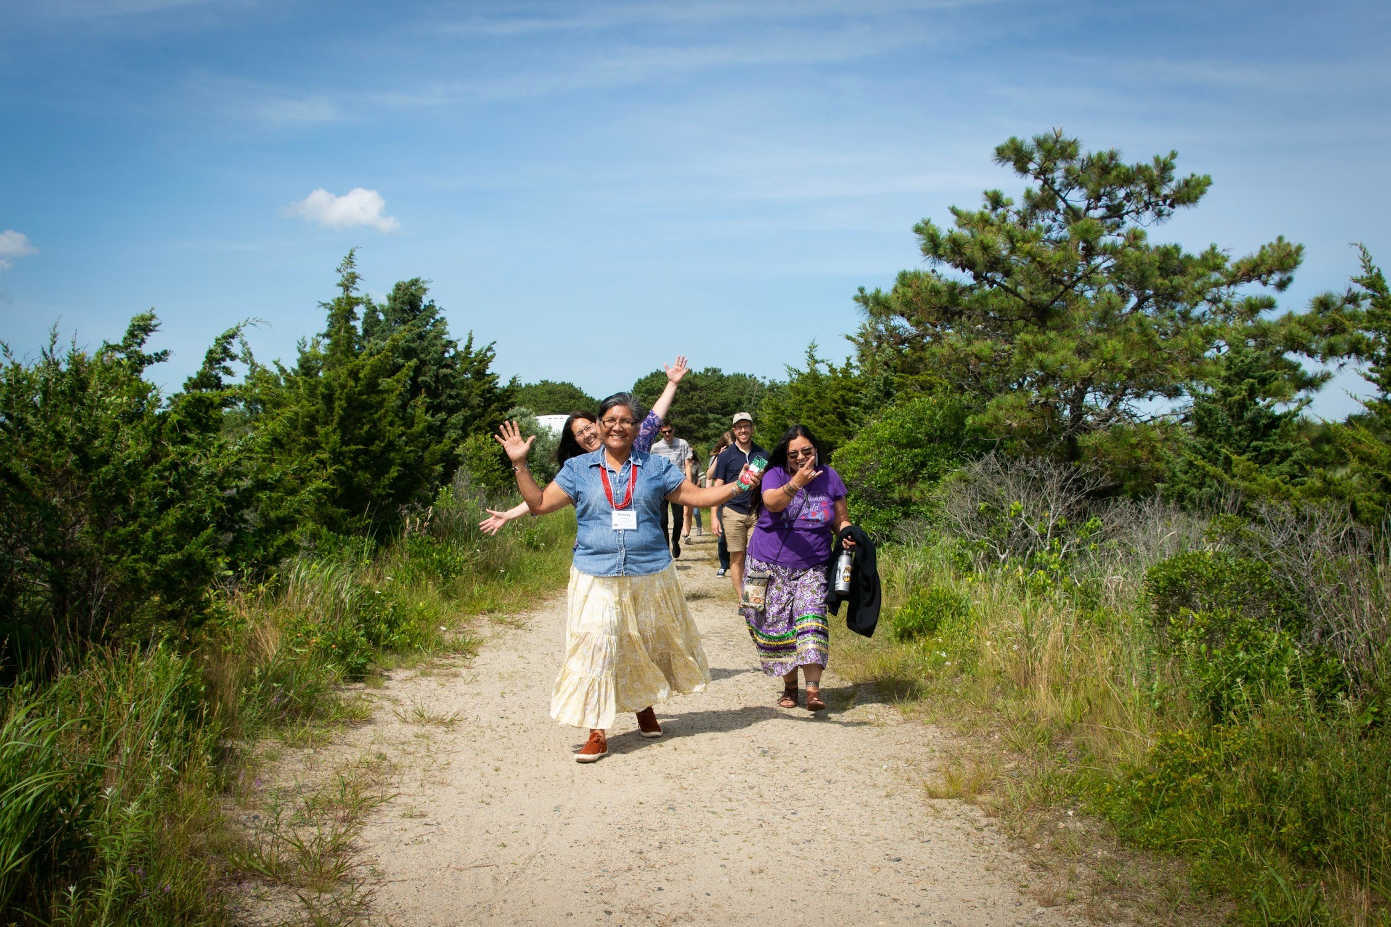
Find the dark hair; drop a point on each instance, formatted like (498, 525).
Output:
(569, 446)
(778, 457)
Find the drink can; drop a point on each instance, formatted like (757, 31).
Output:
(753, 469)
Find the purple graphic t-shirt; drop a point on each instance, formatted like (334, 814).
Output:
(800, 535)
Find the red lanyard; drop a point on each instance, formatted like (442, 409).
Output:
(608, 489)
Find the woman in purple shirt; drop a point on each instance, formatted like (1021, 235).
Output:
(784, 596)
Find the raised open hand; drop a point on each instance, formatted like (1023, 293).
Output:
(509, 435)
(677, 370)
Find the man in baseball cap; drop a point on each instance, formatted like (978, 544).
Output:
(736, 519)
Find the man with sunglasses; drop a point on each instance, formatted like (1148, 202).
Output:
(678, 451)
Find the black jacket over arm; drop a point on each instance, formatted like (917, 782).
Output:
(864, 597)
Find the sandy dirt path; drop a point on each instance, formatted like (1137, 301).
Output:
(743, 813)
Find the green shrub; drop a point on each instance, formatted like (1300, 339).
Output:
(114, 509)
(1273, 804)
(927, 611)
(486, 465)
(893, 462)
(1237, 663)
(1203, 580)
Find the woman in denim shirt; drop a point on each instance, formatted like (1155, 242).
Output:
(580, 435)
(629, 638)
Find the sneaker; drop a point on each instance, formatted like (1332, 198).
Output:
(647, 724)
(595, 748)
(720, 571)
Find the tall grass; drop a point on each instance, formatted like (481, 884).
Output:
(108, 782)
(1283, 802)
(112, 777)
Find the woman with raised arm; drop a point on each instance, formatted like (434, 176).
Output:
(629, 638)
(580, 435)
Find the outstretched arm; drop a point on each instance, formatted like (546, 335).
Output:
(496, 520)
(689, 493)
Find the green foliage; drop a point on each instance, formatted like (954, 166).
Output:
(547, 397)
(1239, 629)
(830, 400)
(892, 464)
(1210, 581)
(98, 775)
(487, 466)
(927, 611)
(1271, 805)
(1245, 431)
(118, 513)
(374, 412)
(1236, 663)
(1356, 326)
(1056, 314)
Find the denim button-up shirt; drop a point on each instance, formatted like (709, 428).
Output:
(599, 549)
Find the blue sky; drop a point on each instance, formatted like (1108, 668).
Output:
(596, 187)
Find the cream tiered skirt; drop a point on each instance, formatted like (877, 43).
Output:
(629, 643)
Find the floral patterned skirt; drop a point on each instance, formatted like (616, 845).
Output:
(791, 629)
(630, 642)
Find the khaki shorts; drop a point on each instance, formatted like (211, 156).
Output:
(736, 529)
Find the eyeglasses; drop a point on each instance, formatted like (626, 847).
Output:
(587, 430)
(615, 422)
(806, 453)
(666, 431)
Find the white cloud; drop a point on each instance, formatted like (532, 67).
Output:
(14, 245)
(356, 207)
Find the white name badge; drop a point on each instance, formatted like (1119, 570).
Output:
(625, 520)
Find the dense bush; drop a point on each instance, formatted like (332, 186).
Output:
(1202, 581)
(1236, 663)
(1284, 791)
(927, 611)
(114, 508)
(892, 464)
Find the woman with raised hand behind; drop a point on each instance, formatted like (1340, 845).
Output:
(629, 638)
(784, 595)
(580, 435)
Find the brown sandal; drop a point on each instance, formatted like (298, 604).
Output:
(789, 698)
(814, 702)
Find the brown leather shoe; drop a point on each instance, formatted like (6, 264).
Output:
(595, 748)
(647, 723)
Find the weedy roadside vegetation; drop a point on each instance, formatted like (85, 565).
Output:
(116, 773)
(1213, 688)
